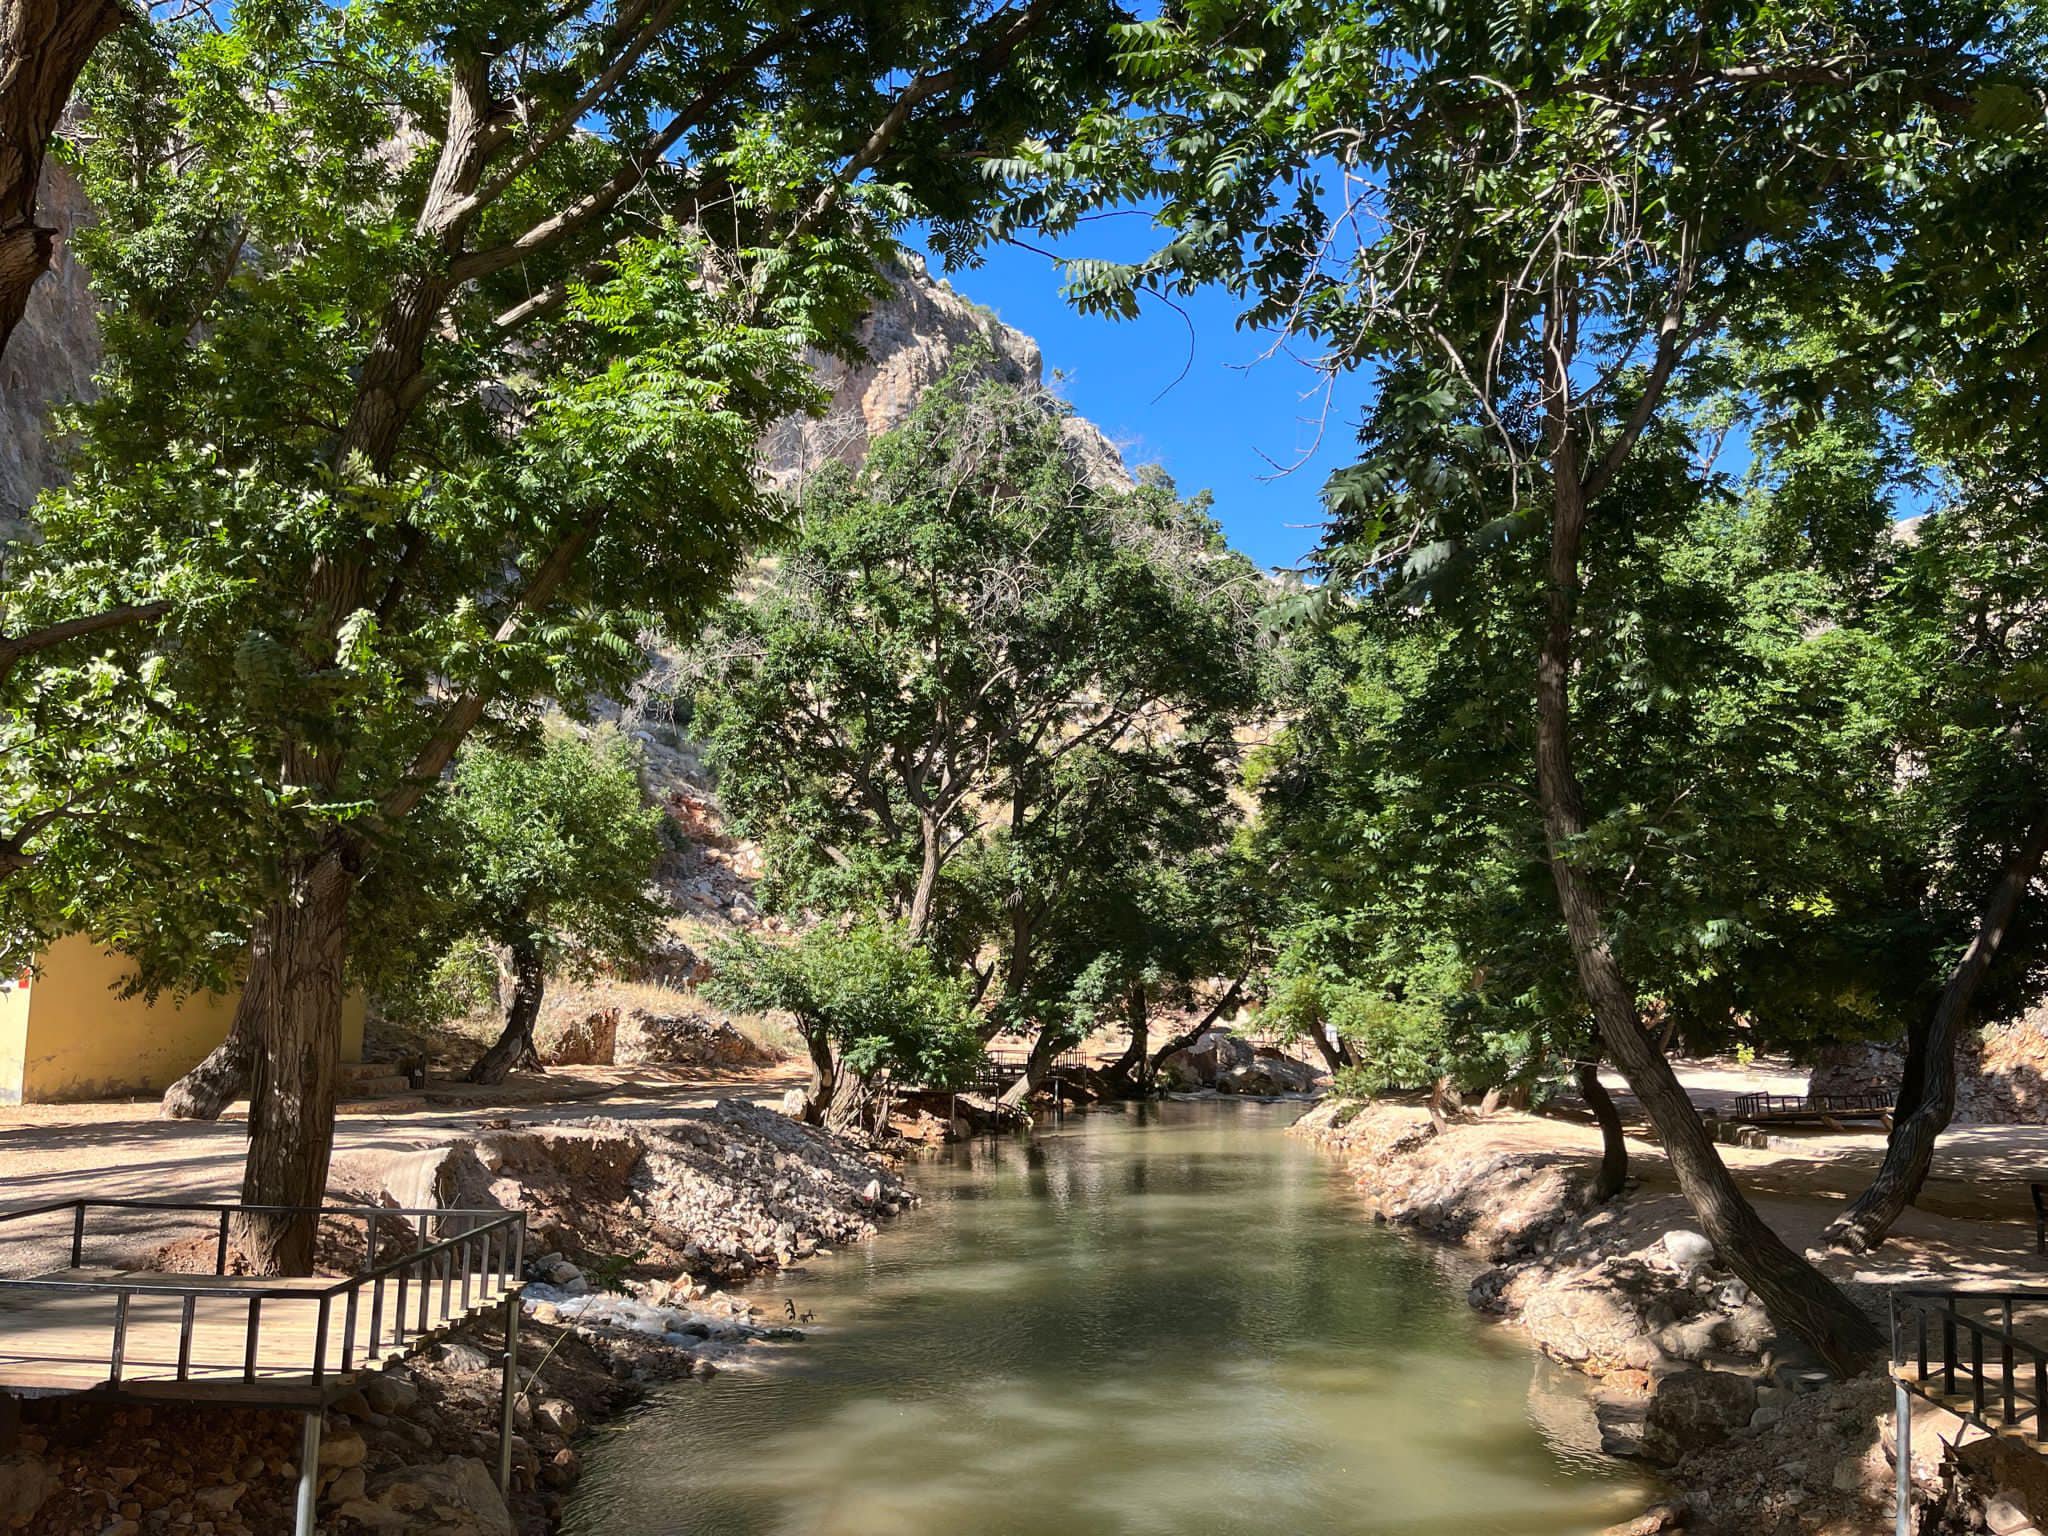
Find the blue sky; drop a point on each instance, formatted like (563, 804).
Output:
(1230, 424)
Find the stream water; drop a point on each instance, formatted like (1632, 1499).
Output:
(1168, 1323)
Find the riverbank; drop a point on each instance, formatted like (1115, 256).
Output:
(641, 1234)
(1689, 1374)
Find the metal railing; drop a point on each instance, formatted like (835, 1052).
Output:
(1770, 1106)
(480, 1263)
(1960, 1349)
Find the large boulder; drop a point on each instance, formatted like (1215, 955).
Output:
(1268, 1074)
(1690, 1410)
(1214, 1056)
(455, 1497)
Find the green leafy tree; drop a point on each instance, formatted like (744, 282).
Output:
(553, 851)
(1528, 225)
(439, 343)
(975, 687)
(867, 1002)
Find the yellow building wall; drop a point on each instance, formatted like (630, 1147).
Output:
(13, 1040)
(79, 1038)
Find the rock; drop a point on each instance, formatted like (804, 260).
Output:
(559, 1415)
(686, 1039)
(348, 1484)
(1658, 1517)
(1688, 1250)
(1212, 1058)
(454, 1498)
(343, 1450)
(2004, 1517)
(25, 1482)
(123, 1527)
(563, 1469)
(589, 1040)
(913, 334)
(1591, 1326)
(1620, 1422)
(221, 1500)
(1693, 1409)
(464, 1358)
(390, 1394)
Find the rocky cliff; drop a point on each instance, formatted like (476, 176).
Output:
(51, 358)
(913, 336)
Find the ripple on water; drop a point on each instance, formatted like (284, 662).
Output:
(1136, 1326)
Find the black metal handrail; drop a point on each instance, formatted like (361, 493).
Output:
(1921, 1316)
(491, 1248)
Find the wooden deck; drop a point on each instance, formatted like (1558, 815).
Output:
(57, 1336)
(258, 1342)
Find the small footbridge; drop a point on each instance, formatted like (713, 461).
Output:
(233, 1340)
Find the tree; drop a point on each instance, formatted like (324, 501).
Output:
(1535, 221)
(976, 687)
(553, 851)
(1940, 350)
(44, 44)
(867, 1002)
(1966, 615)
(411, 346)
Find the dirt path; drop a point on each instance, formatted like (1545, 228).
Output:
(123, 1151)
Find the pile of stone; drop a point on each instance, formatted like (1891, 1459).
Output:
(686, 1037)
(750, 1188)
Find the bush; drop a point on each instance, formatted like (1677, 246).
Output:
(862, 994)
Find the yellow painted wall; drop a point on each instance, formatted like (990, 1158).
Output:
(80, 1039)
(13, 1040)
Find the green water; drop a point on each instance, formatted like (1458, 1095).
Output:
(1174, 1325)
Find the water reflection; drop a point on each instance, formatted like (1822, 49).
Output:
(1162, 1323)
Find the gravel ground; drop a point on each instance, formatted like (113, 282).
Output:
(123, 1151)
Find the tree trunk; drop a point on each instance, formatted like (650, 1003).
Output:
(1613, 1140)
(846, 1110)
(1332, 1057)
(1045, 1050)
(43, 46)
(1188, 1037)
(209, 1088)
(1122, 1073)
(1927, 1091)
(291, 1101)
(514, 1048)
(929, 835)
(1796, 1294)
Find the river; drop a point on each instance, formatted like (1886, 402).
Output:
(1167, 1323)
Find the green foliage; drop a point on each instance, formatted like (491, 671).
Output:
(553, 848)
(863, 993)
(1000, 703)
(438, 344)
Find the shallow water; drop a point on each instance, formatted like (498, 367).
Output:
(1174, 1324)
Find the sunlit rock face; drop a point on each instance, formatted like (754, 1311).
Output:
(912, 337)
(50, 359)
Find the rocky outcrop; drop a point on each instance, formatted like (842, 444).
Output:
(912, 337)
(684, 1038)
(2001, 1071)
(50, 359)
